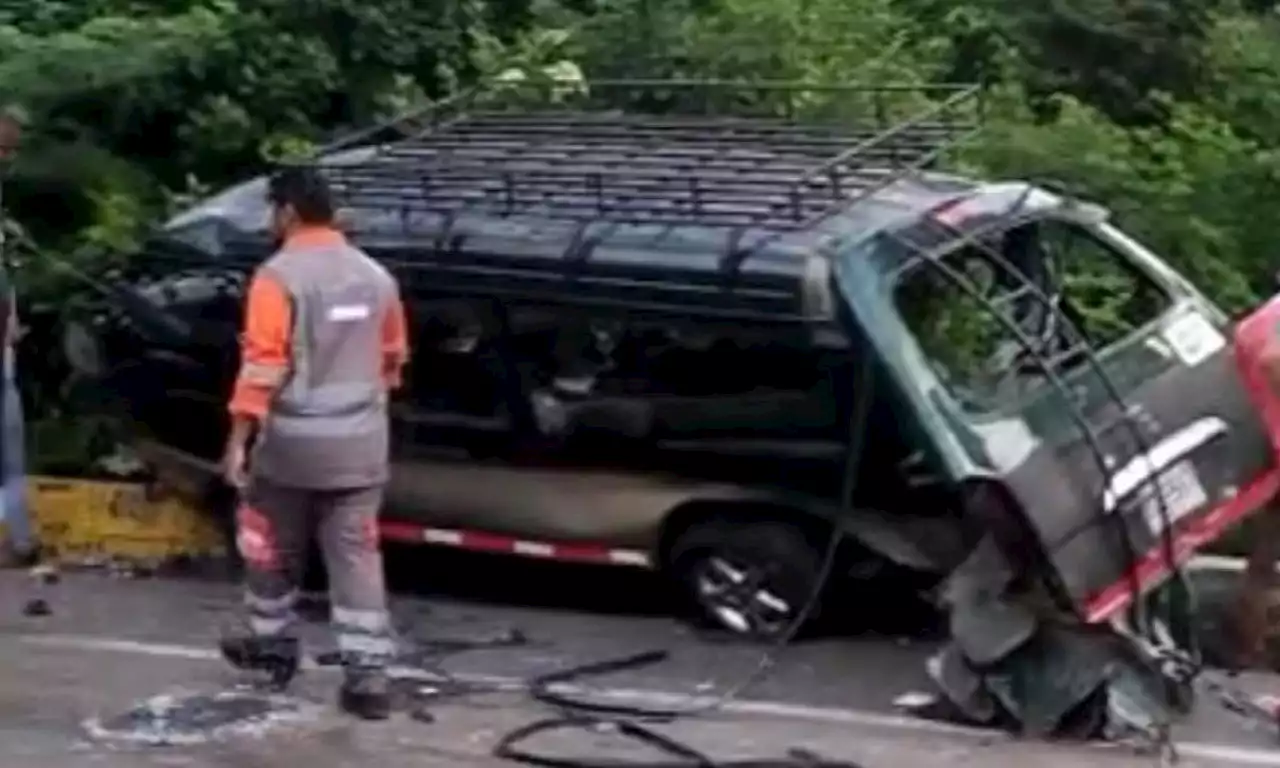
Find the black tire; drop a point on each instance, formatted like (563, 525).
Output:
(779, 565)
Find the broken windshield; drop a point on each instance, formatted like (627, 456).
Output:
(1102, 293)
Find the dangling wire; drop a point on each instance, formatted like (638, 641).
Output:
(628, 721)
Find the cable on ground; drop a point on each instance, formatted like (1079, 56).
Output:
(629, 721)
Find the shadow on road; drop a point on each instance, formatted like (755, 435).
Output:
(505, 580)
(501, 580)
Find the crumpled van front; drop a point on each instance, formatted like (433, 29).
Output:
(1045, 350)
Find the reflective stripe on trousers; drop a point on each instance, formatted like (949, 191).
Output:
(274, 525)
(363, 635)
(271, 616)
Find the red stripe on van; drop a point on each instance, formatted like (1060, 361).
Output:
(1188, 537)
(478, 541)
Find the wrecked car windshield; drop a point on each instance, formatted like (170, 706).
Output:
(980, 358)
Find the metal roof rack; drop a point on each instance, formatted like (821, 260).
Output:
(706, 153)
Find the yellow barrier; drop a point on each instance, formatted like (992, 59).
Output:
(93, 520)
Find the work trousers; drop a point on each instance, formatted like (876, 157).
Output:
(13, 451)
(274, 525)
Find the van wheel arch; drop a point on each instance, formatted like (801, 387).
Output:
(688, 514)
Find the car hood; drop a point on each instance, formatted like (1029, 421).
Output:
(237, 214)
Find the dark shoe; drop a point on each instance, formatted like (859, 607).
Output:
(366, 694)
(277, 658)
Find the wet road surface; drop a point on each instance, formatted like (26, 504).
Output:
(111, 643)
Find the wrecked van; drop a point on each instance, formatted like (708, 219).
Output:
(650, 333)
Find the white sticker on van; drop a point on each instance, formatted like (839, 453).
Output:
(1160, 460)
(346, 313)
(1193, 338)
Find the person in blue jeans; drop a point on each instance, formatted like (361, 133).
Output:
(19, 544)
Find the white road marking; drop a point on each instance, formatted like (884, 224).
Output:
(649, 698)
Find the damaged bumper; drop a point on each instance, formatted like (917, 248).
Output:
(1016, 660)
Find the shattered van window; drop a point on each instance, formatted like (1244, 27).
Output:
(977, 354)
(1112, 296)
(958, 336)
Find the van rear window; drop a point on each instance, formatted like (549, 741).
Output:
(1105, 297)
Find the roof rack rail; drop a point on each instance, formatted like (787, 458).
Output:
(669, 152)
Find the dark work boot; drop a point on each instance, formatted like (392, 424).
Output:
(366, 694)
(276, 658)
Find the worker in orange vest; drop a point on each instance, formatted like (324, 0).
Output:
(324, 341)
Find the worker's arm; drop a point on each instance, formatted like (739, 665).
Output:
(395, 343)
(264, 362)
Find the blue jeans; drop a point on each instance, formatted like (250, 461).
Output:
(13, 454)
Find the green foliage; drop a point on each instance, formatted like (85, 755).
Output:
(1164, 110)
(137, 106)
(1161, 109)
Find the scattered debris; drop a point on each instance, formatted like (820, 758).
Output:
(914, 700)
(199, 718)
(426, 652)
(37, 607)
(328, 659)
(46, 574)
(123, 463)
(1262, 711)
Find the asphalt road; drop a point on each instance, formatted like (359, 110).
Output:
(111, 643)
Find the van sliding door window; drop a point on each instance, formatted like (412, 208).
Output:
(455, 367)
(689, 380)
(980, 357)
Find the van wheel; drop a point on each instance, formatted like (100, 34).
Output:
(751, 578)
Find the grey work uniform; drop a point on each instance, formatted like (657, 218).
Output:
(320, 461)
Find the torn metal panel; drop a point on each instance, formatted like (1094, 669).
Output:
(1065, 680)
(926, 544)
(962, 685)
(1047, 678)
(984, 625)
(1015, 660)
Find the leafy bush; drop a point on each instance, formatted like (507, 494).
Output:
(1162, 109)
